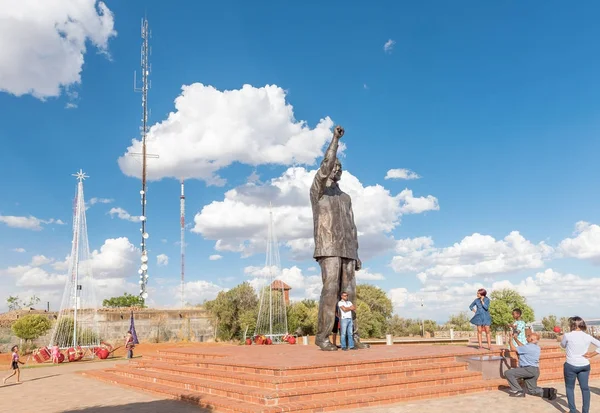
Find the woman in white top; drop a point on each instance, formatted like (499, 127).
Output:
(577, 367)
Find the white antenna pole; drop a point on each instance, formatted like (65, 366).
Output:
(271, 278)
(182, 211)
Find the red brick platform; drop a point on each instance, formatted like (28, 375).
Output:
(293, 378)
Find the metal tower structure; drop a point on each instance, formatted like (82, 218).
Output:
(272, 312)
(182, 241)
(145, 66)
(77, 323)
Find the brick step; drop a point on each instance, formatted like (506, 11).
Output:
(557, 376)
(222, 404)
(561, 361)
(559, 370)
(275, 397)
(298, 381)
(187, 356)
(348, 365)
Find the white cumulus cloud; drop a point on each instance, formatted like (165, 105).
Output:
(366, 275)
(401, 174)
(39, 260)
(123, 214)
(389, 46)
(94, 201)
(547, 292)
(43, 43)
(239, 222)
(474, 255)
(212, 129)
(116, 258)
(30, 222)
(301, 286)
(18, 250)
(162, 260)
(196, 292)
(215, 257)
(585, 243)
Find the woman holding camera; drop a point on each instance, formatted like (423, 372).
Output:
(577, 367)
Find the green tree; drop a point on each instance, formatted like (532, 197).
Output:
(31, 326)
(503, 302)
(374, 322)
(402, 327)
(15, 303)
(368, 325)
(248, 321)
(430, 326)
(549, 322)
(459, 322)
(125, 300)
(397, 326)
(230, 308)
(33, 300)
(564, 324)
(302, 317)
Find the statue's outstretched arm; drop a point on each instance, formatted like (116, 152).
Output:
(327, 164)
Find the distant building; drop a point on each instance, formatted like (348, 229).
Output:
(279, 285)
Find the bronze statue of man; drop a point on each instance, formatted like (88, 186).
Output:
(336, 243)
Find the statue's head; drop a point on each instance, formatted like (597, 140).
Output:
(336, 174)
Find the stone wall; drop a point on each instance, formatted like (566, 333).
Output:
(457, 334)
(151, 325)
(158, 325)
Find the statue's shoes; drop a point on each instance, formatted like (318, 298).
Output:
(327, 346)
(361, 346)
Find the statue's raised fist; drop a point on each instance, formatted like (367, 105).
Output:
(338, 132)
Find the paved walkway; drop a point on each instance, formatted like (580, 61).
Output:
(496, 401)
(59, 390)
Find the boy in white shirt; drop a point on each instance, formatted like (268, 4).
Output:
(346, 307)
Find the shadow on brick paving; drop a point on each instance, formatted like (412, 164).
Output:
(156, 406)
(559, 405)
(499, 399)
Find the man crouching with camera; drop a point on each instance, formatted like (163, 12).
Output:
(528, 370)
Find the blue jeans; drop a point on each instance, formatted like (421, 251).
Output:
(346, 331)
(582, 374)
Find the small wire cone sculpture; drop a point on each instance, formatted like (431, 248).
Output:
(271, 324)
(77, 325)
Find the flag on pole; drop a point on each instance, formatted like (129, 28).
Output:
(132, 329)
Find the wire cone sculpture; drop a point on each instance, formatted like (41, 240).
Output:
(272, 313)
(77, 321)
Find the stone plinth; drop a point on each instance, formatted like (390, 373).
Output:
(491, 367)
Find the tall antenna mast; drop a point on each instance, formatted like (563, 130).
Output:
(182, 210)
(145, 54)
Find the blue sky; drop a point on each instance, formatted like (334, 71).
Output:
(494, 106)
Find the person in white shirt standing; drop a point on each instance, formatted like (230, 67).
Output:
(577, 367)
(346, 307)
